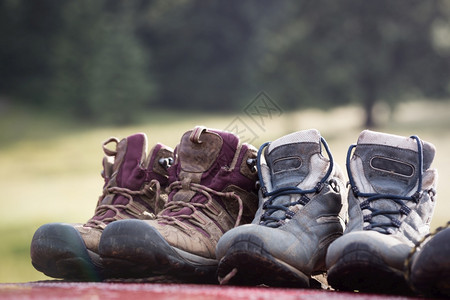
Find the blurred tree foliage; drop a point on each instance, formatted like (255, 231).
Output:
(105, 60)
(336, 52)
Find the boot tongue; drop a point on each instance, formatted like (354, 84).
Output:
(129, 158)
(122, 168)
(201, 154)
(289, 158)
(289, 161)
(197, 152)
(391, 166)
(131, 153)
(391, 163)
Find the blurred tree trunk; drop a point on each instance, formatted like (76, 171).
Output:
(369, 104)
(369, 94)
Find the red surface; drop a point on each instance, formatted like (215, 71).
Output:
(152, 291)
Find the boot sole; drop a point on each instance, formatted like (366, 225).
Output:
(431, 273)
(256, 266)
(361, 269)
(58, 251)
(134, 249)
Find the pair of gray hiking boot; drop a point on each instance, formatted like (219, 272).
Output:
(306, 225)
(160, 215)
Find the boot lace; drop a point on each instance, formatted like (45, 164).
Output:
(174, 206)
(121, 211)
(372, 197)
(268, 218)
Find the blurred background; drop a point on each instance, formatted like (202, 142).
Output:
(73, 73)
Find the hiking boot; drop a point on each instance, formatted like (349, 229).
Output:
(212, 189)
(301, 211)
(428, 265)
(131, 191)
(391, 202)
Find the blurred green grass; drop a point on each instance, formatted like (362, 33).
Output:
(50, 168)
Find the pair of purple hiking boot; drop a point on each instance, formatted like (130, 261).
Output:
(176, 216)
(160, 215)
